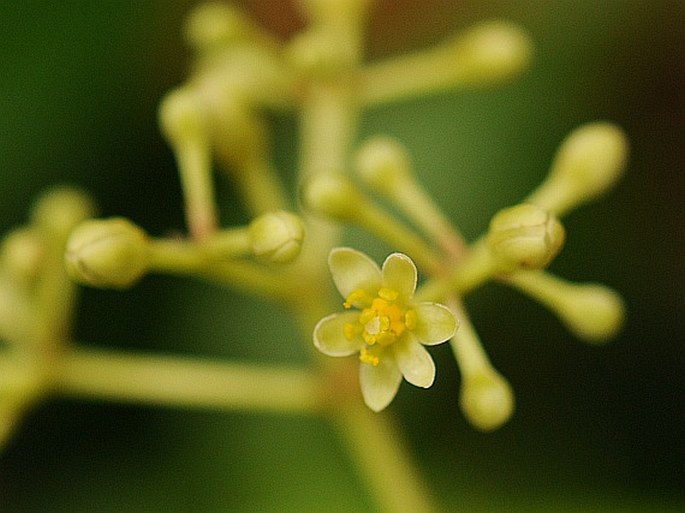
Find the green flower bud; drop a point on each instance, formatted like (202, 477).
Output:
(593, 312)
(62, 208)
(332, 195)
(110, 253)
(525, 236)
(214, 24)
(277, 236)
(182, 118)
(588, 163)
(383, 164)
(490, 51)
(23, 252)
(486, 399)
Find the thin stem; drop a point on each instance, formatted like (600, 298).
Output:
(478, 266)
(189, 259)
(194, 165)
(186, 383)
(466, 345)
(381, 456)
(388, 228)
(420, 208)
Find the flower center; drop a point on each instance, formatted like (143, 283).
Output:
(380, 324)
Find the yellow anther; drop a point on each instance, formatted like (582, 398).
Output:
(350, 331)
(386, 338)
(354, 297)
(366, 315)
(387, 294)
(366, 356)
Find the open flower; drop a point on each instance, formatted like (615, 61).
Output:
(382, 324)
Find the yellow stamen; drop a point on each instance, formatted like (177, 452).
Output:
(350, 331)
(388, 294)
(366, 356)
(354, 297)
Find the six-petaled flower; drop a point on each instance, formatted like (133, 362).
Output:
(382, 324)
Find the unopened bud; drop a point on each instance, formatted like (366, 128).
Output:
(525, 236)
(593, 312)
(588, 163)
(214, 24)
(62, 208)
(182, 118)
(23, 251)
(383, 164)
(491, 51)
(110, 253)
(332, 195)
(277, 236)
(486, 399)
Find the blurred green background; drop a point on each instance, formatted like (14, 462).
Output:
(596, 428)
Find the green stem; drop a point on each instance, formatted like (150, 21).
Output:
(189, 259)
(379, 451)
(186, 383)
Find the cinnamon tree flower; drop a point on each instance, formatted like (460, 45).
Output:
(382, 324)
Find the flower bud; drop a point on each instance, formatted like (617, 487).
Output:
(525, 236)
(23, 252)
(486, 399)
(490, 51)
(62, 208)
(593, 312)
(383, 164)
(332, 195)
(277, 236)
(181, 117)
(213, 24)
(589, 162)
(110, 253)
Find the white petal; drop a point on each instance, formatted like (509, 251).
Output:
(399, 274)
(414, 362)
(329, 335)
(379, 384)
(434, 323)
(353, 270)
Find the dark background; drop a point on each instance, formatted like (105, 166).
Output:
(596, 428)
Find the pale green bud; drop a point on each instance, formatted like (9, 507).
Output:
(383, 164)
(277, 236)
(182, 117)
(62, 208)
(332, 195)
(525, 236)
(214, 24)
(588, 163)
(109, 253)
(593, 312)
(490, 51)
(486, 399)
(23, 252)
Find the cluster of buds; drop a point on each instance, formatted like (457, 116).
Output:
(219, 117)
(36, 302)
(520, 243)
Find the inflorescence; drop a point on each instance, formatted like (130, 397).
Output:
(217, 118)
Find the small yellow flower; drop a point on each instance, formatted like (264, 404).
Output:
(382, 324)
